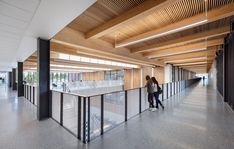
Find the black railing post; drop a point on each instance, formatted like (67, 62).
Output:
(24, 91)
(139, 100)
(50, 102)
(102, 114)
(30, 95)
(162, 92)
(180, 86)
(167, 90)
(88, 119)
(174, 88)
(61, 109)
(79, 119)
(84, 120)
(33, 95)
(177, 87)
(170, 89)
(27, 92)
(126, 106)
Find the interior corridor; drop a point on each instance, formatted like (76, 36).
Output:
(196, 118)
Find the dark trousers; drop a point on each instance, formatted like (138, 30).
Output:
(150, 100)
(156, 95)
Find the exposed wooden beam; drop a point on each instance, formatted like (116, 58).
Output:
(184, 40)
(130, 15)
(76, 41)
(212, 15)
(184, 56)
(199, 46)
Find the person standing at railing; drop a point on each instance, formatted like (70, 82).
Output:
(150, 91)
(156, 92)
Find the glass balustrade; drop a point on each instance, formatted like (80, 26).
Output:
(88, 113)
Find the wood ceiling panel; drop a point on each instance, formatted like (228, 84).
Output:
(102, 11)
(99, 14)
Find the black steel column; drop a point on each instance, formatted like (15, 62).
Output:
(10, 79)
(14, 87)
(225, 69)
(43, 68)
(20, 86)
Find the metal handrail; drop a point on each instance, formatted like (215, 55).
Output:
(76, 94)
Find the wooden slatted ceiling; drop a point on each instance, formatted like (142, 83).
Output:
(179, 11)
(214, 25)
(104, 10)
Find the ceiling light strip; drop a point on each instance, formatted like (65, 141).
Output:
(193, 24)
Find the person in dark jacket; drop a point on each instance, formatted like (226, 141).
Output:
(150, 91)
(156, 93)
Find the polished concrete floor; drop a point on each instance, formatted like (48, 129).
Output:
(194, 119)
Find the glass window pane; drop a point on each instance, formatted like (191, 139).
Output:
(95, 116)
(133, 102)
(144, 99)
(70, 112)
(114, 109)
(56, 105)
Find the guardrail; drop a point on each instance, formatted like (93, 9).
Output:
(30, 93)
(88, 117)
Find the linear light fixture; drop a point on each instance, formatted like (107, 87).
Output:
(175, 53)
(69, 70)
(163, 33)
(62, 69)
(187, 59)
(197, 63)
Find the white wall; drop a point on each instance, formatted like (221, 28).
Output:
(212, 75)
(168, 73)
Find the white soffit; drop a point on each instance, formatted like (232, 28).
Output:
(23, 21)
(15, 16)
(51, 17)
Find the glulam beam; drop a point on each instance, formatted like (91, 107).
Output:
(212, 15)
(130, 15)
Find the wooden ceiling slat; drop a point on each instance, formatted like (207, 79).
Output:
(125, 17)
(183, 40)
(213, 15)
